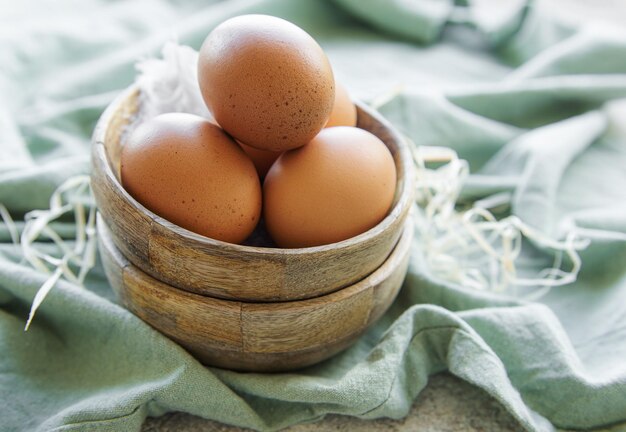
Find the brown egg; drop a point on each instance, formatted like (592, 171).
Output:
(262, 159)
(339, 185)
(266, 81)
(344, 111)
(188, 171)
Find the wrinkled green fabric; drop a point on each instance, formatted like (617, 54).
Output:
(524, 98)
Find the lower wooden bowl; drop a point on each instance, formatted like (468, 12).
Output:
(262, 337)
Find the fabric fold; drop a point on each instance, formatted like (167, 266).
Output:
(528, 101)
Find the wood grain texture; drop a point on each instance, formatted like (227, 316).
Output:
(205, 266)
(257, 336)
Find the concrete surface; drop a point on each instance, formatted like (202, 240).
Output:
(447, 404)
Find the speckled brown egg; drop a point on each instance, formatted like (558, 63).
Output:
(344, 111)
(339, 185)
(262, 159)
(266, 81)
(190, 172)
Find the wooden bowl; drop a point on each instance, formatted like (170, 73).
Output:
(259, 337)
(205, 266)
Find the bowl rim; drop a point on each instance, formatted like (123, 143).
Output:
(402, 206)
(400, 251)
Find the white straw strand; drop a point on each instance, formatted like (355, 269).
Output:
(473, 248)
(66, 198)
(8, 221)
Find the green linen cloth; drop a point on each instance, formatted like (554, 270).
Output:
(524, 98)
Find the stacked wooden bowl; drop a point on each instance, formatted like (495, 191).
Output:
(246, 307)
